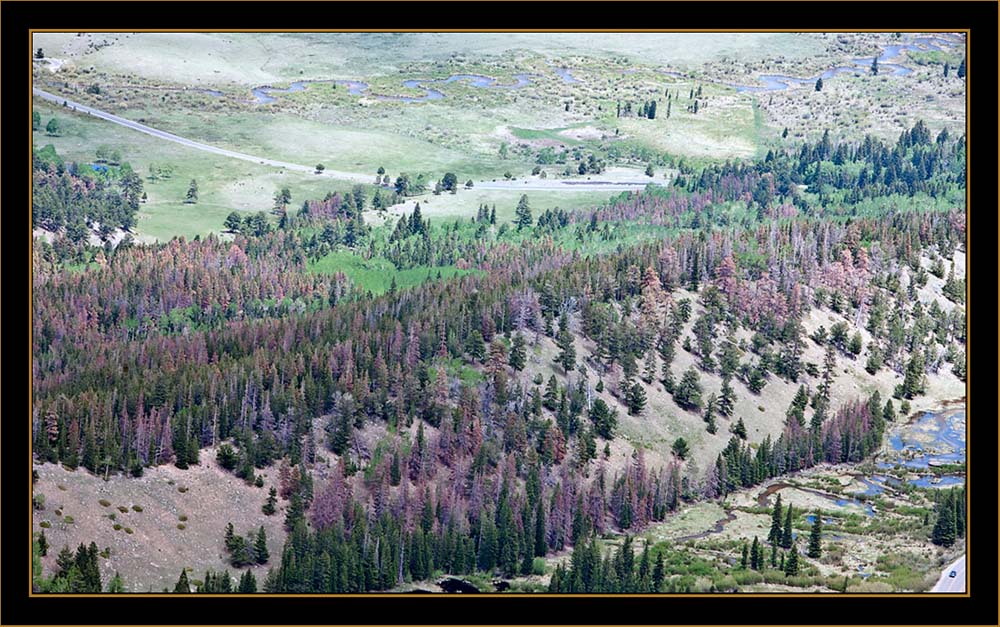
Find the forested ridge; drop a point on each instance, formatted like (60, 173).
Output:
(158, 351)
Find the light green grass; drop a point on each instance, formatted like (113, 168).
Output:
(465, 203)
(224, 184)
(376, 274)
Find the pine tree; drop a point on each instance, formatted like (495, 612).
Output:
(517, 356)
(522, 213)
(792, 563)
(961, 69)
(116, 585)
(740, 429)
(272, 499)
(43, 544)
(944, 529)
(786, 534)
(295, 513)
(564, 341)
(744, 558)
(815, 538)
(755, 554)
(636, 399)
(819, 84)
(260, 547)
(182, 586)
(687, 394)
(774, 536)
(248, 583)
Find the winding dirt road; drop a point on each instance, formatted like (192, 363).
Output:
(525, 184)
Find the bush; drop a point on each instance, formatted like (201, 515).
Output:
(38, 501)
(137, 508)
(59, 512)
(182, 518)
(104, 502)
(129, 531)
(538, 566)
(68, 520)
(181, 526)
(123, 509)
(45, 524)
(182, 489)
(116, 526)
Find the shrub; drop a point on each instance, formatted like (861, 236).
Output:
(182, 518)
(68, 520)
(538, 566)
(106, 553)
(104, 502)
(59, 512)
(45, 524)
(38, 501)
(61, 487)
(116, 526)
(181, 526)
(129, 531)
(123, 509)
(182, 489)
(137, 508)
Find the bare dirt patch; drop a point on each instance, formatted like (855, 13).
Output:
(152, 556)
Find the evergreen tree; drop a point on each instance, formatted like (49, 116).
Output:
(792, 563)
(815, 538)
(182, 586)
(636, 399)
(944, 529)
(961, 69)
(260, 547)
(680, 448)
(755, 555)
(855, 345)
(272, 499)
(774, 536)
(786, 533)
(116, 585)
(687, 394)
(517, 357)
(819, 84)
(875, 66)
(604, 419)
(888, 413)
(564, 341)
(522, 213)
(745, 556)
(192, 192)
(295, 513)
(248, 583)
(740, 429)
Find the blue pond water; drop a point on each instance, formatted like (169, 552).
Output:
(947, 445)
(564, 73)
(776, 82)
(96, 167)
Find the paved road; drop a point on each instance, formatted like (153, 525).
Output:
(527, 184)
(142, 128)
(949, 584)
